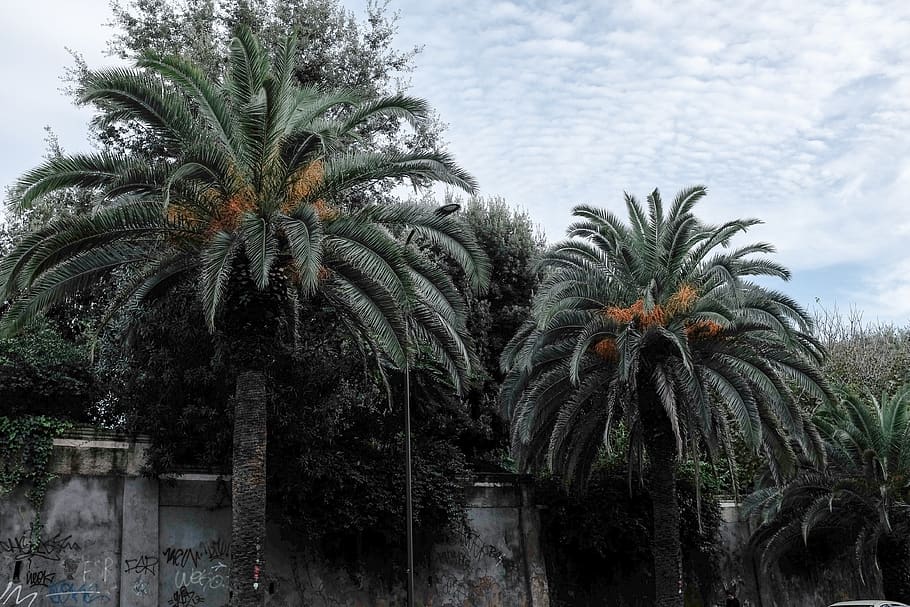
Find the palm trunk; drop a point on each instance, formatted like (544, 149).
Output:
(668, 585)
(255, 332)
(248, 486)
(894, 560)
(665, 544)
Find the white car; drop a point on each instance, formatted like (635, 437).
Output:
(869, 603)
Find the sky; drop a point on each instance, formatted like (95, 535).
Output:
(795, 113)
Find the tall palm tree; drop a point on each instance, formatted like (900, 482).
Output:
(654, 324)
(863, 495)
(249, 200)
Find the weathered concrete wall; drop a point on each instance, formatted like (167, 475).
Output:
(112, 538)
(76, 558)
(497, 560)
(819, 586)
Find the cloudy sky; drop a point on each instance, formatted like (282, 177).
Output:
(797, 113)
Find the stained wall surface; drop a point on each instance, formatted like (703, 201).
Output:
(75, 560)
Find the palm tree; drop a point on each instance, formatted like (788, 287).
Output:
(863, 495)
(654, 325)
(248, 199)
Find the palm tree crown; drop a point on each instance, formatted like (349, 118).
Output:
(664, 306)
(253, 177)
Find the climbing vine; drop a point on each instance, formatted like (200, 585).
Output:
(26, 446)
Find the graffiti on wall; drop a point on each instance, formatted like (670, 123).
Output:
(47, 548)
(202, 569)
(13, 594)
(185, 598)
(55, 571)
(71, 593)
(144, 564)
(470, 570)
(195, 574)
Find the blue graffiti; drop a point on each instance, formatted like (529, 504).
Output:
(67, 593)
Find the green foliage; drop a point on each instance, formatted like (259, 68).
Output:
(18, 222)
(169, 377)
(338, 50)
(342, 484)
(42, 372)
(598, 542)
(655, 323)
(254, 187)
(512, 243)
(244, 193)
(26, 447)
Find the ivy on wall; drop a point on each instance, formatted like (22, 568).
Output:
(26, 446)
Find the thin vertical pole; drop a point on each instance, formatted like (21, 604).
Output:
(409, 514)
(442, 211)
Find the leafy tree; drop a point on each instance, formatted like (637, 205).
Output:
(860, 356)
(339, 52)
(335, 445)
(652, 325)
(46, 371)
(512, 242)
(859, 502)
(19, 222)
(249, 198)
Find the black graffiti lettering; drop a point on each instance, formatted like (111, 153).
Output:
(39, 578)
(185, 598)
(145, 564)
(181, 556)
(51, 548)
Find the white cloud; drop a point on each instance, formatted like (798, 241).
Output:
(793, 112)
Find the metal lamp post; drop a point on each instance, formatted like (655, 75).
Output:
(446, 209)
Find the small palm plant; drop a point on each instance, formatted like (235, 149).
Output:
(863, 495)
(248, 198)
(655, 325)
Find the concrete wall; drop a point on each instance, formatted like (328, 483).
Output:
(113, 538)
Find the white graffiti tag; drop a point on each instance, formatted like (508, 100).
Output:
(14, 592)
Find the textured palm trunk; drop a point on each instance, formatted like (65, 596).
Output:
(894, 560)
(255, 330)
(248, 488)
(668, 585)
(665, 544)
